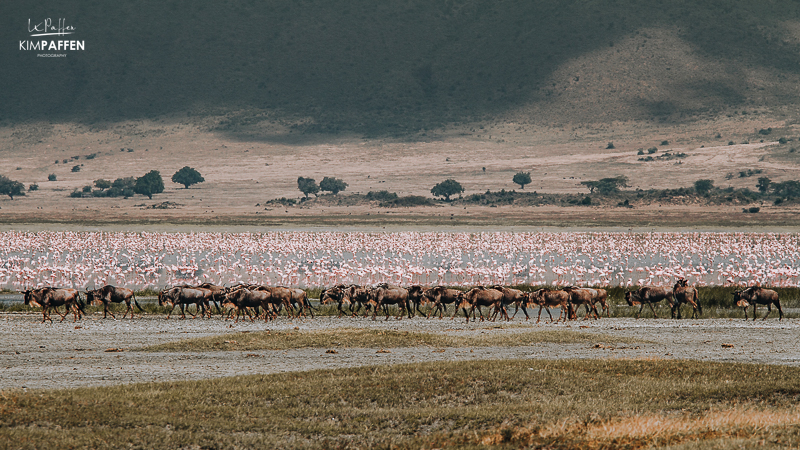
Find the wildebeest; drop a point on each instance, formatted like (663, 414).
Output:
(483, 296)
(512, 296)
(217, 293)
(385, 294)
(757, 295)
(416, 296)
(244, 298)
(441, 297)
(112, 294)
(183, 296)
(683, 293)
(300, 301)
(48, 297)
(648, 295)
(550, 298)
(577, 297)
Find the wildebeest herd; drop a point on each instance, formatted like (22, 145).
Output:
(269, 302)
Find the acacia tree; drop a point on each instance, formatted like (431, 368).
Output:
(447, 188)
(10, 187)
(102, 184)
(702, 187)
(522, 178)
(149, 184)
(763, 184)
(307, 186)
(606, 186)
(331, 184)
(187, 176)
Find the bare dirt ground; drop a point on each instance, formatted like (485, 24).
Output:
(244, 169)
(66, 355)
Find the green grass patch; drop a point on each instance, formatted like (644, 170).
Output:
(562, 404)
(359, 338)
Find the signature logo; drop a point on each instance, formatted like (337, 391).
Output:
(47, 28)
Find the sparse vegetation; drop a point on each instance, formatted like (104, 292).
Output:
(506, 404)
(51, 177)
(76, 168)
(33, 187)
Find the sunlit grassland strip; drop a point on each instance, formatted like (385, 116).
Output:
(589, 404)
(360, 338)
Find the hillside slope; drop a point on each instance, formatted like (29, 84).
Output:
(370, 66)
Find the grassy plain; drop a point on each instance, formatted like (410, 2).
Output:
(360, 338)
(598, 404)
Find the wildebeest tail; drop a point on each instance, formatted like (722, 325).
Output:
(697, 301)
(137, 303)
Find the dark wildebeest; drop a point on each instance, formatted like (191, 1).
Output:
(482, 296)
(112, 294)
(577, 297)
(334, 294)
(550, 298)
(244, 298)
(217, 293)
(48, 297)
(757, 295)
(648, 295)
(441, 297)
(358, 296)
(416, 296)
(183, 296)
(683, 293)
(300, 301)
(385, 294)
(280, 298)
(512, 296)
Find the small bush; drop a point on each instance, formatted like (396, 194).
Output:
(92, 156)
(87, 189)
(76, 168)
(731, 143)
(610, 146)
(382, 196)
(586, 201)
(751, 210)
(76, 194)
(777, 201)
(664, 142)
(33, 187)
(765, 131)
(652, 150)
(783, 140)
(640, 152)
(51, 177)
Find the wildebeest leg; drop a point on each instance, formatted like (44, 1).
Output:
(769, 310)
(653, 309)
(745, 312)
(780, 312)
(641, 307)
(754, 311)
(107, 311)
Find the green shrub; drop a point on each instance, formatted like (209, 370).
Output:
(51, 177)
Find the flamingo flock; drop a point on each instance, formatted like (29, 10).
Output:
(85, 260)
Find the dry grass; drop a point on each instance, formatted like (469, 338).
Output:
(504, 404)
(360, 338)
